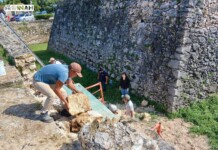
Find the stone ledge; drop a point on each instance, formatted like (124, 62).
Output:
(12, 78)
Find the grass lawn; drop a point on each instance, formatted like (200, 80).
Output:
(112, 95)
(204, 116)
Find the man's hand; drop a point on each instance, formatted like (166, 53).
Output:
(67, 106)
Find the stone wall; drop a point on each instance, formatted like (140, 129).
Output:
(26, 65)
(33, 32)
(167, 47)
(23, 58)
(197, 54)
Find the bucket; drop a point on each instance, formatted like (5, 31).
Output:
(2, 68)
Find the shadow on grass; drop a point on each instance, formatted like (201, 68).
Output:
(26, 111)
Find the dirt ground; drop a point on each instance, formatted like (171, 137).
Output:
(176, 132)
(19, 128)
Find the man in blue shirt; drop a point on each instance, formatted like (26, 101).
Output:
(50, 79)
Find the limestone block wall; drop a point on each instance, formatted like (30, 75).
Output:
(161, 44)
(33, 32)
(26, 65)
(197, 53)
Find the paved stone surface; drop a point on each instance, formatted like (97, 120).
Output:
(12, 78)
(19, 127)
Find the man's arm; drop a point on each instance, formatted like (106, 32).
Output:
(98, 75)
(71, 85)
(57, 90)
(106, 79)
(131, 113)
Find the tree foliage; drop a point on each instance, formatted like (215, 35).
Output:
(47, 5)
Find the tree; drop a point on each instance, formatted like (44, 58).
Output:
(13, 1)
(47, 5)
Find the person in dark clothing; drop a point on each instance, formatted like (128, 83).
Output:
(124, 84)
(103, 78)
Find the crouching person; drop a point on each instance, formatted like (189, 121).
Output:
(49, 81)
(129, 106)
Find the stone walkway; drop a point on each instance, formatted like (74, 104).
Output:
(20, 129)
(10, 42)
(12, 78)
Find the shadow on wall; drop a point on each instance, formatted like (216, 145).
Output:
(26, 111)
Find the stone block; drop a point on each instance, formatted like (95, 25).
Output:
(172, 91)
(213, 88)
(79, 103)
(174, 64)
(24, 56)
(183, 49)
(85, 118)
(32, 66)
(144, 103)
(19, 62)
(25, 71)
(30, 59)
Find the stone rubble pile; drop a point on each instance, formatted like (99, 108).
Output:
(113, 136)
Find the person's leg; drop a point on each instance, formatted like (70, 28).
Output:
(127, 91)
(47, 91)
(122, 92)
(103, 86)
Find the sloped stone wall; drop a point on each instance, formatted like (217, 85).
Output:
(152, 40)
(197, 53)
(33, 32)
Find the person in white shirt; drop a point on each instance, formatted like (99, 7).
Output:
(54, 61)
(129, 106)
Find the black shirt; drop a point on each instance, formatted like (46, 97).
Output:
(124, 83)
(102, 76)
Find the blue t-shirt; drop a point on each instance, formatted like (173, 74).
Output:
(50, 74)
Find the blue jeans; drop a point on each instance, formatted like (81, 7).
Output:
(104, 86)
(124, 91)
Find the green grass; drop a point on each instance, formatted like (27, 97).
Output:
(3, 54)
(112, 94)
(204, 116)
(5, 57)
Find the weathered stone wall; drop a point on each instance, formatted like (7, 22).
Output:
(197, 54)
(152, 40)
(33, 32)
(23, 59)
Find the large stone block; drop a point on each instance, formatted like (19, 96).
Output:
(79, 103)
